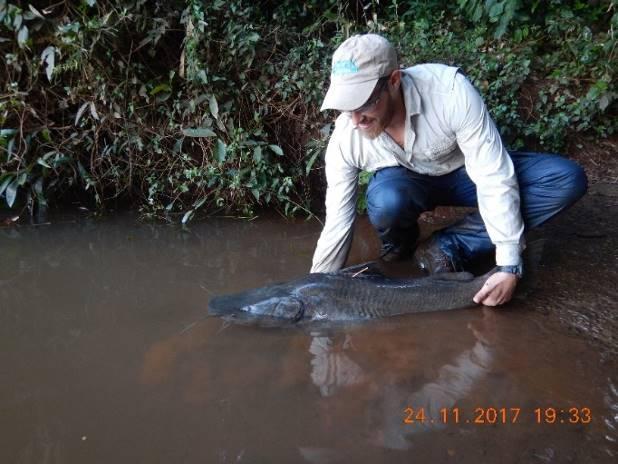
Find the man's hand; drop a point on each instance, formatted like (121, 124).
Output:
(497, 290)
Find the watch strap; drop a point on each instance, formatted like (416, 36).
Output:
(518, 269)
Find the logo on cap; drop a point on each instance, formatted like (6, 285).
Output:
(344, 67)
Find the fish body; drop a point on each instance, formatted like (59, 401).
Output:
(344, 296)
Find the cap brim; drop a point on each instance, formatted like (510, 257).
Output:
(348, 97)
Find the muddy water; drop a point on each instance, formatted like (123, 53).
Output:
(106, 355)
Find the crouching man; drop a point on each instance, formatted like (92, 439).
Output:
(426, 135)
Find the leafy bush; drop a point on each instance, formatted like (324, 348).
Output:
(191, 105)
(175, 106)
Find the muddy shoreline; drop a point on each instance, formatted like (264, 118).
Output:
(579, 287)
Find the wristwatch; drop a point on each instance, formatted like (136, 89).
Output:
(517, 270)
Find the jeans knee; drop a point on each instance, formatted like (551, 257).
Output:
(575, 183)
(385, 206)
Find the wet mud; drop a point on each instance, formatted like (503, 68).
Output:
(107, 353)
(579, 287)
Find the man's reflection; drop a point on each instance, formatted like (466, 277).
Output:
(336, 365)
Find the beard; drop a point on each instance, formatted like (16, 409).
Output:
(378, 123)
(374, 131)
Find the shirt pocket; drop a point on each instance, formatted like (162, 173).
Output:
(438, 151)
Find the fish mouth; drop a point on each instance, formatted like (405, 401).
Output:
(223, 305)
(227, 308)
(247, 306)
(231, 303)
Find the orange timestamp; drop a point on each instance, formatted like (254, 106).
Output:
(491, 415)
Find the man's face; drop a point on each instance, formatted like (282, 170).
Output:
(376, 114)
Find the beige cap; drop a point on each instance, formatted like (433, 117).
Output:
(358, 63)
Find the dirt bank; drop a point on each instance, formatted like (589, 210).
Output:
(579, 281)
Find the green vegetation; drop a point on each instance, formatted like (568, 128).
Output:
(179, 107)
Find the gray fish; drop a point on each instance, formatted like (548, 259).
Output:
(360, 293)
(348, 296)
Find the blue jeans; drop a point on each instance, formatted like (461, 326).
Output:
(397, 196)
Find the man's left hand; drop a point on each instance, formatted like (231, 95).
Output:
(497, 290)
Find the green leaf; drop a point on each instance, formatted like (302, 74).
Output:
(84, 175)
(160, 98)
(496, 10)
(187, 216)
(199, 202)
(36, 12)
(311, 161)
(160, 88)
(477, 12)
(17, 20)
(257, 154)
(277, 149)
(11, 193)
(46, 135)
(5, 183)
(256, 194)
(22, 178)
(221, 151)
(22, 36)
(214, 106)
(60, 160)
(42, 162)
(199, 132)
(93, 111)
(40, 195)
(80, 112)
(604, 101)
(7, 132)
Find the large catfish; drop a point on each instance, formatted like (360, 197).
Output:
(349, 295)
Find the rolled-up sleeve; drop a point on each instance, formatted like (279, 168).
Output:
(336, 237)
(491, 169)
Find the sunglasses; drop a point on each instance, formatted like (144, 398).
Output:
(375, 96)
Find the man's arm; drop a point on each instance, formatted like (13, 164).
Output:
(491, 169)
(336, 237)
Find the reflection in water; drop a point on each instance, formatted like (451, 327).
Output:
(106, 355)
(455, 381)
(332, 370)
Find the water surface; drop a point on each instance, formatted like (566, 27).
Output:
(107, 355)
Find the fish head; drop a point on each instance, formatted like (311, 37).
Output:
(275, 302)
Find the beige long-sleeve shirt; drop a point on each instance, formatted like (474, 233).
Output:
(448, 126)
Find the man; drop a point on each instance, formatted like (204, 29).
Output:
(426, 135)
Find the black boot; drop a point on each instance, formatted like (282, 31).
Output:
(390, 252)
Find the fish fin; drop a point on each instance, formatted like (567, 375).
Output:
(368, 269)
(456, 276)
